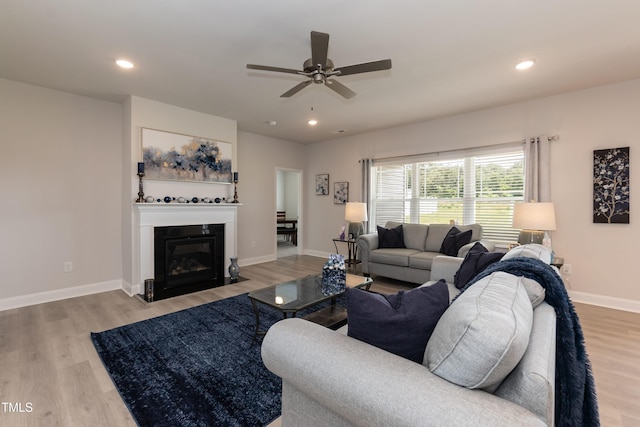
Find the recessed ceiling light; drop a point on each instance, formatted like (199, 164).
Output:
(312, 122)
(524, 65)
(124, 63)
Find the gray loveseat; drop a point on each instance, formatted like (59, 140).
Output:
(331, 379)
(412, 263)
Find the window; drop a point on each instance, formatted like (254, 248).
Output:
(465, 187)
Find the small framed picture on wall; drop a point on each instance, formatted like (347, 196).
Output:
(322, 184)
(340, 192)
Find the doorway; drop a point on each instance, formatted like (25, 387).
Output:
(289, 200)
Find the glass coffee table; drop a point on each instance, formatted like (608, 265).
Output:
(291, 297)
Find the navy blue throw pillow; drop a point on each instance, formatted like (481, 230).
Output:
(390, 237)
(454, 240)
(477, 259)
(401, 323)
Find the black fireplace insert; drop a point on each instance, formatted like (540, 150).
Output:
(187, 258)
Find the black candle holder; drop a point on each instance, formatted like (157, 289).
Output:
(235, 192)
(140, 189)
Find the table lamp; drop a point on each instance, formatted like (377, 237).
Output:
(534, 219)
(356, 214)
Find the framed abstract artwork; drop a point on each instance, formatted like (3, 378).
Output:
(322, 184)
(611, 186)
(177, 157)
(340, 192)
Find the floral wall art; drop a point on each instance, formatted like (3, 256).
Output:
(340, 192)
(611, 186)
(322, 184)
(177, 157)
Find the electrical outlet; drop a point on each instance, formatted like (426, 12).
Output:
(68, 267)
(567, 269)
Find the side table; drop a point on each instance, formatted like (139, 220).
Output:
(352, 252)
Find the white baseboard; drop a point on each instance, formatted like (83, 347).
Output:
(59, 294)
(605, 301)
(318, 254)
(130, 289)
(256, 260)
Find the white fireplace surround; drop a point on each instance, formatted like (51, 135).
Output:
(162, 215)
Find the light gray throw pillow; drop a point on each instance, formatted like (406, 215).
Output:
(530, 250)
(482, 336)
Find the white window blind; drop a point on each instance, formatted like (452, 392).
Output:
(466, 188)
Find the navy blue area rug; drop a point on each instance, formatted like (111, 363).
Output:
(195, 367)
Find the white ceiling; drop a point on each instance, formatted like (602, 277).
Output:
(448, 57)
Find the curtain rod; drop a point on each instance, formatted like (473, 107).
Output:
(437, 153)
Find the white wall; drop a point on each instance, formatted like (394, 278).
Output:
(602, 256)
(60, 193)
(261, 156)
(139, 113)
(66, 195)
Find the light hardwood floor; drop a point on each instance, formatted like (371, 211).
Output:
(47, 359)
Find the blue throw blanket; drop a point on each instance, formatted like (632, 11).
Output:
(575, 393)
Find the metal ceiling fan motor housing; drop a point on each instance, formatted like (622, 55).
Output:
(318, 68)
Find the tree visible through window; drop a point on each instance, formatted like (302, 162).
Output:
(475, 189)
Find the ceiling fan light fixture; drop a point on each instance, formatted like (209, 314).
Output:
(525, 65)
(319, 68)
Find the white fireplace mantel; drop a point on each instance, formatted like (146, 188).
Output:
(152, 215)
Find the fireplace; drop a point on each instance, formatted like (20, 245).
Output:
(187, 258)
(158, 215)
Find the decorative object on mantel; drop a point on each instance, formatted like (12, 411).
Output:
(234, 270)
(140, 189)
(177, 157)
(181, 199)
(340, 192)
(342, 235)
(611, 186)
(235, 188)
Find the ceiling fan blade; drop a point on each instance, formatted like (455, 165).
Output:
(339, 88)
(384, 64)
(276, 69)
(319, 48)
(297, 88)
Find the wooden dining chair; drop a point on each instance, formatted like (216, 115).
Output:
(281, 215)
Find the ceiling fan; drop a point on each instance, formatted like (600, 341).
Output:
(320, 69)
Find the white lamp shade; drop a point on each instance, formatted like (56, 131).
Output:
(356, 212)
(534, 216)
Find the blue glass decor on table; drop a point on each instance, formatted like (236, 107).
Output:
(334, 275)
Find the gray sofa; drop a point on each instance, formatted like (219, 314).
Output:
(412, 263)
(331, 379)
